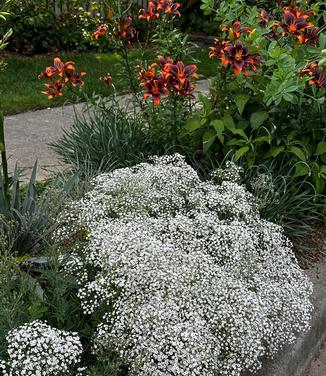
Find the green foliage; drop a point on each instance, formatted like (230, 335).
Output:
(291, 204)
(27, 214)
(271, 115)
(40, 27)
(19, 302)
(107, 137)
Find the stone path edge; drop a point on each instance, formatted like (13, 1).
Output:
(295, 360)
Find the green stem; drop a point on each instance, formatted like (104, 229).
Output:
(133, 85)
(4, 158)
(174, 122)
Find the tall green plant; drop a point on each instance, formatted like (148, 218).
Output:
(268, 99)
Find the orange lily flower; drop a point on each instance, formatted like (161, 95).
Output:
(309, 36)
(151, 13)
(54, 89)
(102, 30)
(106, 79)
(316, 74)
(169, 7)
(295, 21)
(236, 30)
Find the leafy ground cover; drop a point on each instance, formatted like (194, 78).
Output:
(21, 88)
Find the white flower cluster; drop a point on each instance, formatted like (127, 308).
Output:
(37, 349)
(193, 281)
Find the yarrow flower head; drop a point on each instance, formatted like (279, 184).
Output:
(37, 349)
(193, 281)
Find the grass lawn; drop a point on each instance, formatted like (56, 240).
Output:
(21, 89)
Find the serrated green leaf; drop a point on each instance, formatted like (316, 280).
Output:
(258, 118)
(241, 101)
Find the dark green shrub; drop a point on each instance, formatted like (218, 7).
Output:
(38, 27)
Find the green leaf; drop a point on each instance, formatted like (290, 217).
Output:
(206, 102)
(193, 124)
(275, 152)
(298, 152)
(321, 148)
(288, 97)
(228, 121)
(208, 139)
(219, 128)
(240, 101)
(218, 125)
(301, 169)
(239, 153)
(236, 142)
(239, 132)
(262, 139)
(322, 40)
(258, 118)
(323, 158)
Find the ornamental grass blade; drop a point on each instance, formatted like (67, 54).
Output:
(29, 202)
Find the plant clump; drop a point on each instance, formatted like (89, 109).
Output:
(185, 275)
(37, 349)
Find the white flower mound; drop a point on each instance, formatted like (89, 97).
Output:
(193, 281)
(37, 349)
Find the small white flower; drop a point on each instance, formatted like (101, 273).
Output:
(198, 282)
(36, 349)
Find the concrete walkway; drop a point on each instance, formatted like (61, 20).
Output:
(318, 367)
(28, 135)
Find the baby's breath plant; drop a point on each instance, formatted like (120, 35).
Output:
(186, 277)
(36, 349)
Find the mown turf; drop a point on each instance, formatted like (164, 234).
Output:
(20, 88)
